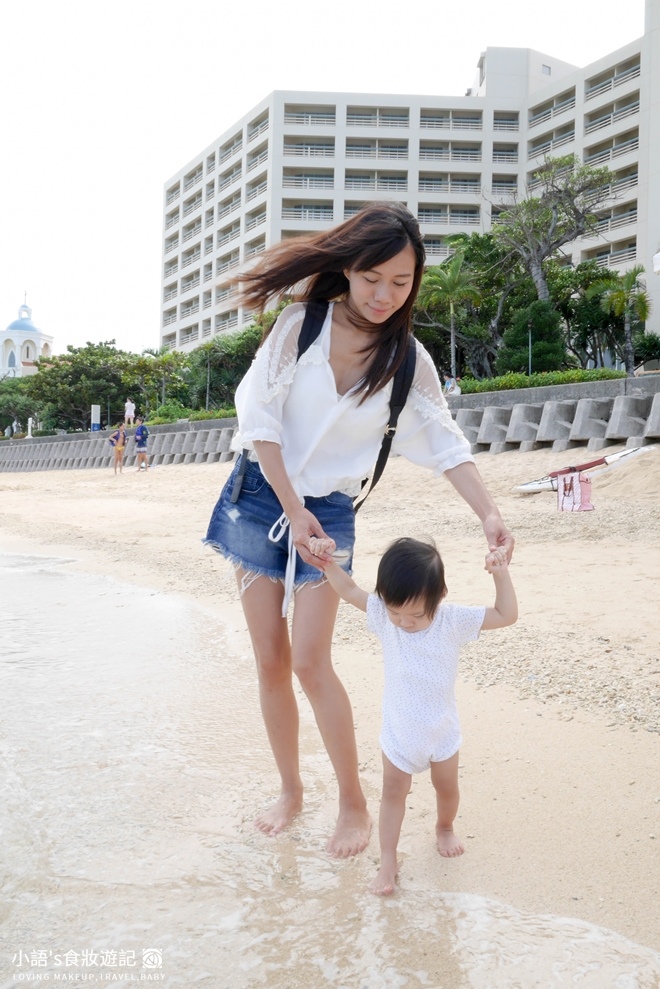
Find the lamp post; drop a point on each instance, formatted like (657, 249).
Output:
(529, 347)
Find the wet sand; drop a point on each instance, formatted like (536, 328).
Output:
(559, 769)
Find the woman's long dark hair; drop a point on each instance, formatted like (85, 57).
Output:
(376, 234)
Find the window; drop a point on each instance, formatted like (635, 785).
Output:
(546, 70)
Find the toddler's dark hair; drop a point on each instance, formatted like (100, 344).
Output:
(411, 569)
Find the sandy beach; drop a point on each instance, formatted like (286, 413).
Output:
(560, 779)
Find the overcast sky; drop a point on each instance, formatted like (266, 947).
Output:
(101, 102)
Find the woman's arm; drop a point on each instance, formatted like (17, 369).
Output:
(468, 482)
(303, 523)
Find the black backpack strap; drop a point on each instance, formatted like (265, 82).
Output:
(402, 381)
(315, 313)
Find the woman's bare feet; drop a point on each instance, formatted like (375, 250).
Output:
(351, 835)
(449, 844)
(280, 815)
(385, 882)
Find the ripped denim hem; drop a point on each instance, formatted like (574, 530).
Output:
(250, 572)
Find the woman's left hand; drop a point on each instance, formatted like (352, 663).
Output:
(498, 536)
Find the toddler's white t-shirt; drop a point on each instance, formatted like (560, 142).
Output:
(420, 716)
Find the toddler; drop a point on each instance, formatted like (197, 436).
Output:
(421, 638)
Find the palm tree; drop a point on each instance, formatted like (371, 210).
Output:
(448, 284)
(624, 295)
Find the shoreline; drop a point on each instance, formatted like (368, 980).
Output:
(559, 780)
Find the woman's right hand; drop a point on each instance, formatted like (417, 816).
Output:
(305, 526)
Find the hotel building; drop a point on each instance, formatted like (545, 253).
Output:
(300, 162)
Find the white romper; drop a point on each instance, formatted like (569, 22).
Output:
(420, 716)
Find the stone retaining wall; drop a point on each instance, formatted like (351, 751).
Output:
(625, 411)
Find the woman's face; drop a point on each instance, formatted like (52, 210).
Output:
(378, 293)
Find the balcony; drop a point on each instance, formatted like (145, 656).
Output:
(172, 243)
(308, 180)
(504, 122)
(189, 335)
(191, 230)
(169, 317)
(231, 147)
(376, 149)
(376, 117)
(171, 267)
(192, 178)
(618, 77)
(190, 307)
(310, 118)
(616, 150)
(309, 149)
(253, 220)
(171, 219)
(172, 194)
(257, 159)
(307, 211)
(227, 262)
(170, 292)
(616, 259)
(226, 321)
(191, 205)
(509, 155)
(230, 176)
(253, 191)
(450, 120)
(611, 116)
(436, 249)
(547, 111)
(255, 247)
(228, 234)
(229, 205)
(225, 292)
(257, 128)
(187, 260)
(504, 188)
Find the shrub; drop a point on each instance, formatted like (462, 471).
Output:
(212, 414)
(512, 380)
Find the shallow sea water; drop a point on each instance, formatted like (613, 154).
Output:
(133, 760)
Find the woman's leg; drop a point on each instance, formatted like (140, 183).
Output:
(396, 787)
(262, 604)
(314, 616)
(444, 776)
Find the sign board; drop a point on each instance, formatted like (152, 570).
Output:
(96, 418)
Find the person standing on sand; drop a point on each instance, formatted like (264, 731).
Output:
(311, 430)
(129, 412)
(421, 638)
(141, 437)
(118, 441)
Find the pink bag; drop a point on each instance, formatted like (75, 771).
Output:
(574, 492)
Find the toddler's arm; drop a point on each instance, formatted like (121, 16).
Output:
(505, 609)
(344, 585)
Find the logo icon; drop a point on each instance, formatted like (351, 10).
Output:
(152, 958)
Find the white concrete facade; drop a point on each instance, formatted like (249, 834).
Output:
(302, 161)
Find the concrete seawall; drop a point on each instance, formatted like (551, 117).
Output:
(596, 414)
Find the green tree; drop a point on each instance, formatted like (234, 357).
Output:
(69, 384)
(155, 376)
(591, 332)
(548, 350)
(565, 198)
(16, 405)
(624, 295)
(647, 348)
(447, 285)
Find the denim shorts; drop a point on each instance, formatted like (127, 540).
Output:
(239, 531)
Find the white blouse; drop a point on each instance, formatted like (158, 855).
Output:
(330, 442)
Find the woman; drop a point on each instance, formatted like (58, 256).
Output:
(313, 428)
(118, 441)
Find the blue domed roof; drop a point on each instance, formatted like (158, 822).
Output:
(24, 322)
(26, 325)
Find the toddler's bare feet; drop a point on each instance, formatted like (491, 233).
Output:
(351, 835)
(280, 815)
(449, 844)
(385, 882)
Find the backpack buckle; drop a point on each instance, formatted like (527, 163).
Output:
(390, 431)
